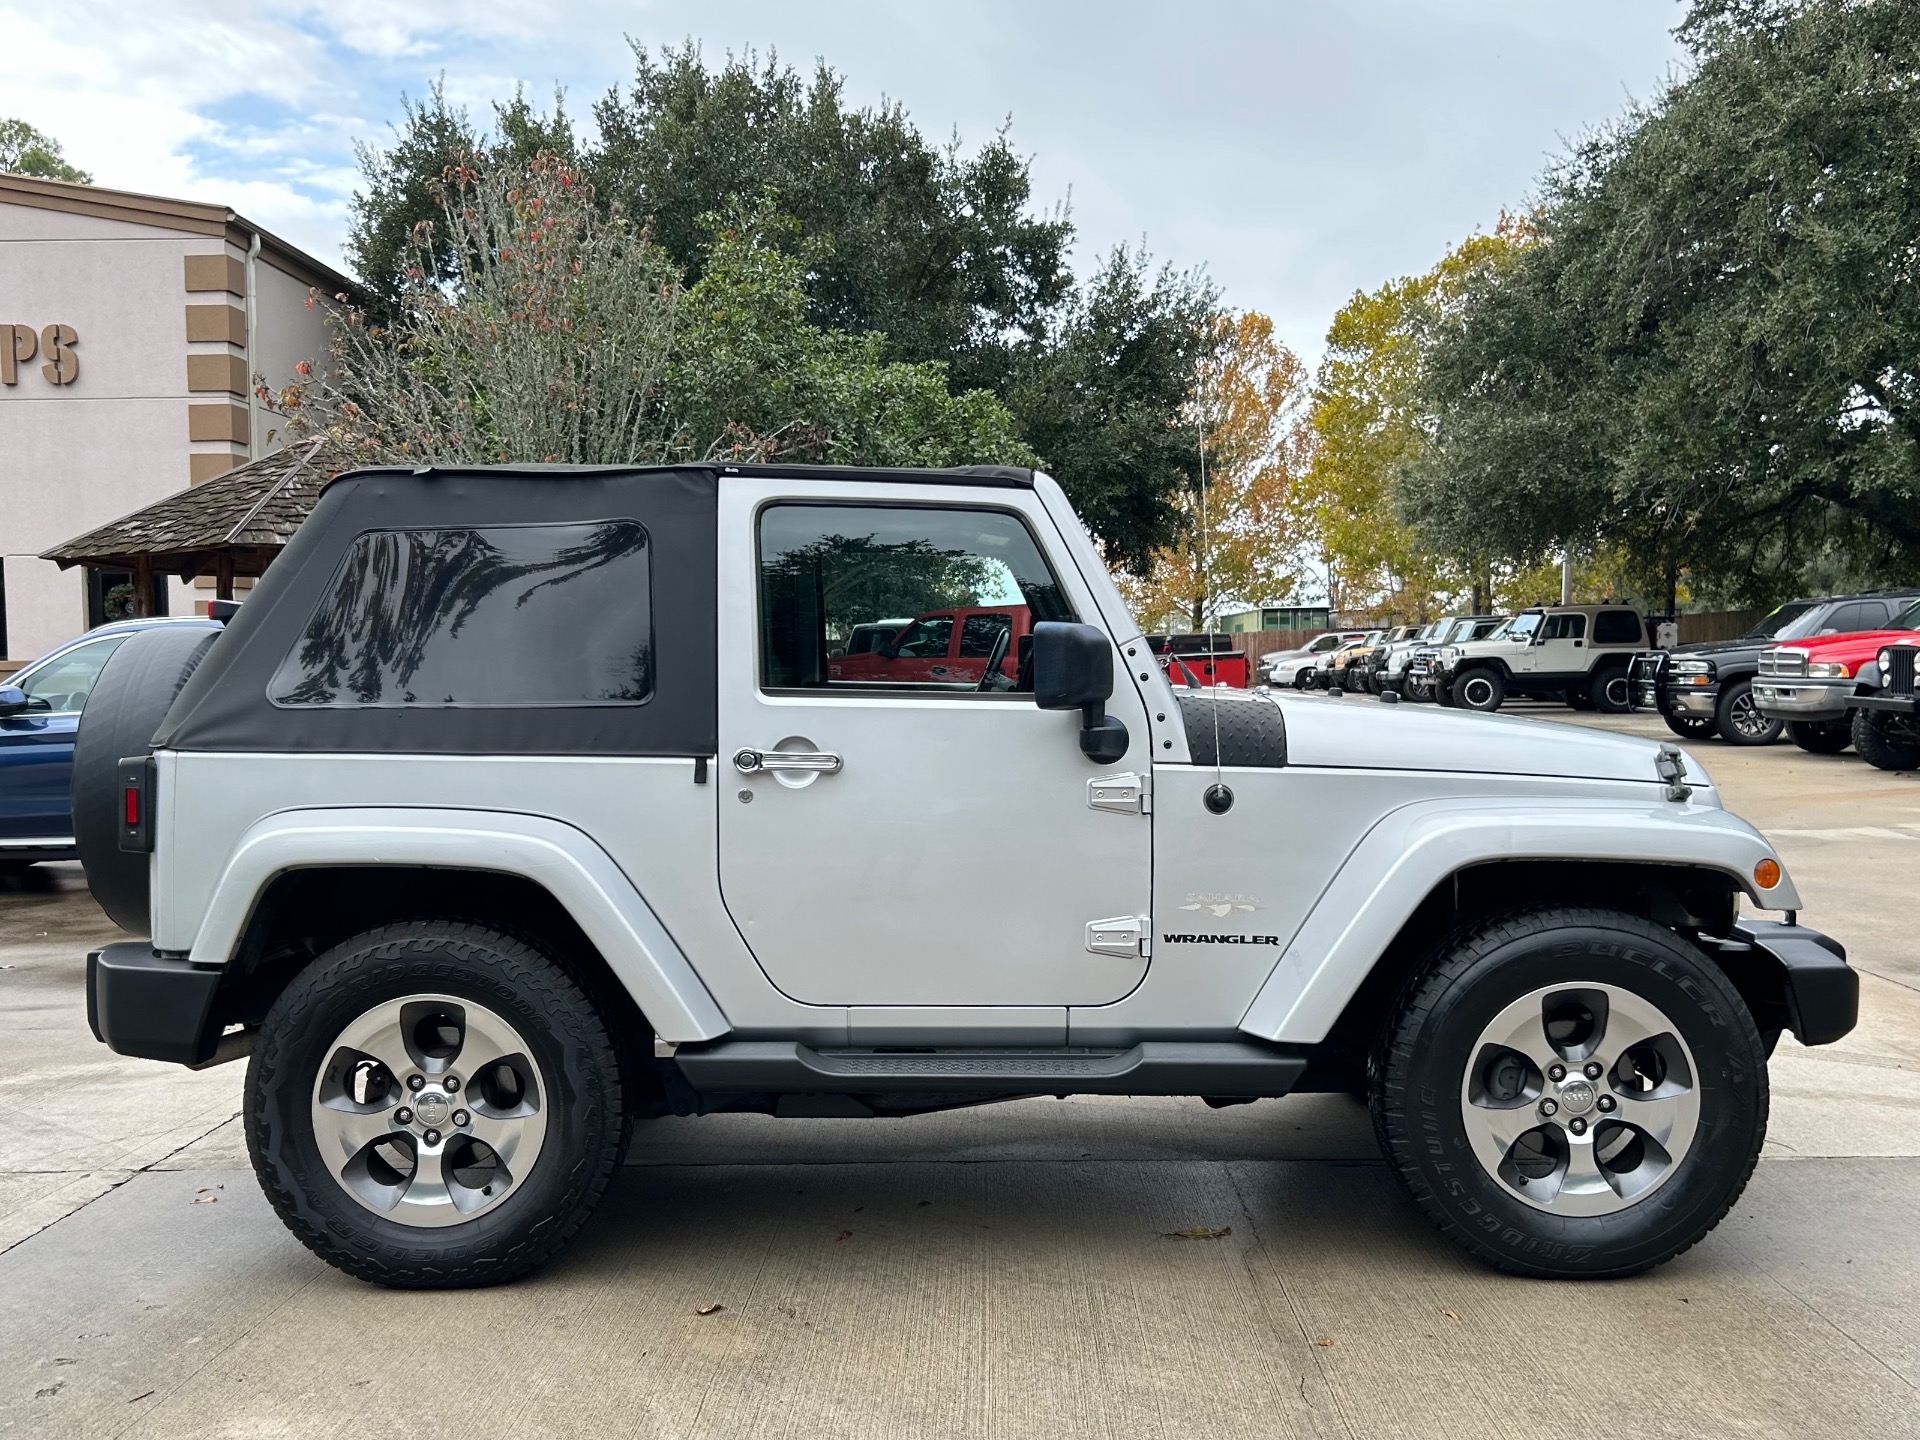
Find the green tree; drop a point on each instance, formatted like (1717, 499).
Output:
(26, 151)
(1709, 363)
(568, 336)
(932, 253)
(1104, 402)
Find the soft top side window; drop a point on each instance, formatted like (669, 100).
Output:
(503, 615)
(831, 572)
(1616, 627)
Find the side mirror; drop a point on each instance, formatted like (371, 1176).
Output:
(1073, 670)
(12, 700)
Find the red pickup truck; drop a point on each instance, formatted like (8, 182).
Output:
(1808, 683)
(941, 647)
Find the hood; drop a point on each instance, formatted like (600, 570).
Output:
(1862, 642)
(1720, 647)
(1366, 734)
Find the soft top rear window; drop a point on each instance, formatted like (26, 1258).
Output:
(508, 615)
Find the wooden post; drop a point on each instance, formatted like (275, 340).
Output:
(142, 586)
(223, 575)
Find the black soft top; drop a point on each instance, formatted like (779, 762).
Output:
(225, 706)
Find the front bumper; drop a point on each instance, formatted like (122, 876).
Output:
(1892, 704)
(158, 1007)
(1793, 978)
(1671, 699)
(1802, 699)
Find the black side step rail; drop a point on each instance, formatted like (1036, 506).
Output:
(1153, 1067)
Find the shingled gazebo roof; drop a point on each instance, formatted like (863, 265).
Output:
(236, 522)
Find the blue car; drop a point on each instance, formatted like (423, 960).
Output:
(39, 711)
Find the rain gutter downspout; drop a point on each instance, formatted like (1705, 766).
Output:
(253, 322)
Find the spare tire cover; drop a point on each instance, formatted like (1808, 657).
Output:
(135, 690)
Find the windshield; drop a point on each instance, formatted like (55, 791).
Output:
(1779, 622)
(1522, 624)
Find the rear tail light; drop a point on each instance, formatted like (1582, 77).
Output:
(136, 804)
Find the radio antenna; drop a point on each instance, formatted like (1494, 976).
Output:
(1218, 798)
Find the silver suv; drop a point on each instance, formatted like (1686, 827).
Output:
(518, 806)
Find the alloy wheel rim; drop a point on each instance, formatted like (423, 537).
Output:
(1581, 1099)
(1616, 692)
(429, 1110)
(1746, 716)
(1477, 691)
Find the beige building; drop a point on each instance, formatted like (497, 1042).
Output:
(130, 327)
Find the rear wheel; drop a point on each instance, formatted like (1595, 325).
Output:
(1690, 727)
(1572, 1093)
(1479, 689)
(1820, 737)
(1887, 742)
(434, 1105)
(1738, 720)
(1608, 692)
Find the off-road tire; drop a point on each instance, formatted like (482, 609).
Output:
(1607, 690)
(1820, 737)
(1691, 727)
(134, 691)
(1736, 698)
(1420, 1064)
(579, 1072)
(1880, 746)
(1479, 688)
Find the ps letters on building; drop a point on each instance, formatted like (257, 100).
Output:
(19, 344)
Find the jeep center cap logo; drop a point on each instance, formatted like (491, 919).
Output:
(432, 1107)
(1577, 1096)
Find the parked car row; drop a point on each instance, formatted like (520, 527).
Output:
(1813, 670)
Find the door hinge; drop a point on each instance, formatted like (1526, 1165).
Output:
(1123, 794)
(1124, 935)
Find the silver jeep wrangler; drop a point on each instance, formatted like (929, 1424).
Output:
(519, 805)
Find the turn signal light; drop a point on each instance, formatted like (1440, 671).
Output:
(1766, 874)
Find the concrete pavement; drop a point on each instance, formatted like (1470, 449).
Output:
(1008, 1271)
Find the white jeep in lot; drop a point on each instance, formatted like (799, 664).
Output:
(520, 806)
(1576, 653)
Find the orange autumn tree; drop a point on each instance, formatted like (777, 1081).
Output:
(1237, 544)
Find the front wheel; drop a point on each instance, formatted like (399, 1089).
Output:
(1480, 689)
(1572, 1093)
(1886, 742)
(434, 1105)
(1738, 720)
(1820, 737)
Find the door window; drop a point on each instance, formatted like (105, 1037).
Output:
(1570, 626)
(827, 571)
(61, 686)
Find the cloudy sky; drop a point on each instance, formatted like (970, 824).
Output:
(1298, 149)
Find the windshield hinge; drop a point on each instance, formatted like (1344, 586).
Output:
(1123, 794)
(1124, 935)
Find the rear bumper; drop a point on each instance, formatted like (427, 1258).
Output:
(1793, 978)
(158, 1007)
(37, 848)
